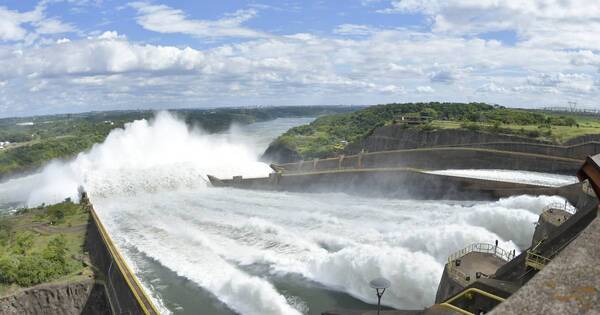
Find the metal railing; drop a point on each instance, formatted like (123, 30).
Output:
(483, 248)
(587, 188)
(535, 260)
(466, 293)
(567, 207)
(464, 278)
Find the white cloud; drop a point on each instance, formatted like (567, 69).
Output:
(492, 87)
(539, 23)
(360, 64)
(12, 23)
(354, 29)
(424, 89)
(164, 19)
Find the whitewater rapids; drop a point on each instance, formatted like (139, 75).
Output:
(148, 185)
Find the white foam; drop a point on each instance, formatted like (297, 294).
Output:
(338, 240)
(161, 154)
(523, 177)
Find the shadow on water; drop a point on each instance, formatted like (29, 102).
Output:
(307, 296)
(182, 296)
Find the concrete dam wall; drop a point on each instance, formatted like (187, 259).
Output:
(442, 158)
(397, 137)
(125, 294)
(393, 182)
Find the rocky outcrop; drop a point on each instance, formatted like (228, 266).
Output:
(82, 297)
(398, 137)
(280, 153)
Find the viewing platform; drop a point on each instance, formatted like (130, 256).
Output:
(478, 260)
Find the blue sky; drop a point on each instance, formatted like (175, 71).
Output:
(78, 55)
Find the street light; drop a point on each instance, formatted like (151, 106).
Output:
(379, 284)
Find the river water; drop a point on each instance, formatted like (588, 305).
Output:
(204, 250)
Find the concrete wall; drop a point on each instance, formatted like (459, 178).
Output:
(570, 284)
(397, 137)
(446, 158)
(578, 151)
(391, 182)
(124, 292)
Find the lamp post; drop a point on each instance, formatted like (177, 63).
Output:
(379, 284)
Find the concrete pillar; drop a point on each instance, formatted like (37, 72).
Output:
(340, 162)
(237, 181)
(359, 159)
(274, 178)
(315, 161)
(300, 165)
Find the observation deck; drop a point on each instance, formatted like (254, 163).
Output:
(478, 260)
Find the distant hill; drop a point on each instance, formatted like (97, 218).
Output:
(33, 141)
(344, 133)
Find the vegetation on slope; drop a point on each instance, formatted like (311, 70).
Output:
(42, 244)
(329, 135)
(37, 140)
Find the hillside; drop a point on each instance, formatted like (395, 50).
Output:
(345, 133)
(33, 141)
(43, 244)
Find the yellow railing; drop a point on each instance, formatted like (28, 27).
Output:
(536, 261)
(468, 292)
(135, 286)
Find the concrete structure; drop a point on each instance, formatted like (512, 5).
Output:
(125, 294)
(550, 219)
(440, 158)
(470, 264)
(394, 182)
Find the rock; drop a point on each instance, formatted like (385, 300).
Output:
(82, 297)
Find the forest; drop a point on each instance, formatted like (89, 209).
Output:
(328, 135)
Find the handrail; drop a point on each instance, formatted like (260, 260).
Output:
(483, 248)
(143, 300)
(587, 188)
(561, 206)
(448, 303)
(535, 260)
(480, 248)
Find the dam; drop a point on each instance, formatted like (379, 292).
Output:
(269, 250)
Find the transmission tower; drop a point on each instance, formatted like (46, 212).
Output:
(573, 106)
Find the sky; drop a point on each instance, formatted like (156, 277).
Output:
(82, 55)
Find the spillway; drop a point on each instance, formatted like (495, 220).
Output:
(198, 249)
(522, 177)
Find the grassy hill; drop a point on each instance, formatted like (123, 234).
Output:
(329, 135)
(43, 244)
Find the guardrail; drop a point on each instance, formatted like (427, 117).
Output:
(587, 188)
(468, 293)
(536, 261)
(483, 248)
(480, 248)
(560, 206)
(144, 302)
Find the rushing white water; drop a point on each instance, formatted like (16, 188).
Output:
(338, 240)
(523, 177)
(148, 185)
